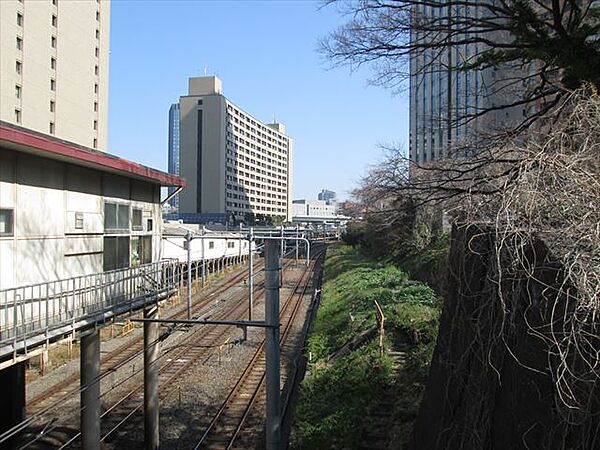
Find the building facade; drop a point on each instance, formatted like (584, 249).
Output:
(173, 162)
(68, 211)
(234, 164)
(327, 196)
(54, 68)
(313, 208)
(452, 106)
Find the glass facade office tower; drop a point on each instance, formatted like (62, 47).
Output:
(173, 163)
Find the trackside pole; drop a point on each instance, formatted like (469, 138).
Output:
(151, 400)
(90, 391)
(282, 247)
(188, 239)
(250, 274)
(297, 243)
(203, 265)
(272, 274)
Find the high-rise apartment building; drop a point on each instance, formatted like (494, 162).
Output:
(54, 68)
(173, 162)
(234, 164)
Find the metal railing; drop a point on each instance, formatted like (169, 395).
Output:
(41, 311)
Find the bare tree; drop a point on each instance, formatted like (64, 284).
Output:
(527, 54)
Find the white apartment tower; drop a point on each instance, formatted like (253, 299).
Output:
(235, 165)
(54, 68)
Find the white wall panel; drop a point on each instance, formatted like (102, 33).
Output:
(39, 260)
(7, 255)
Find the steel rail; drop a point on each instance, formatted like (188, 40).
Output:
(180, 312)
(166, 387)
(131, 351)
(259, 354)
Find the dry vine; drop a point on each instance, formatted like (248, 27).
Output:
(550, 194)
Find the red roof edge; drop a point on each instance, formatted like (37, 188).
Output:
(57, 147)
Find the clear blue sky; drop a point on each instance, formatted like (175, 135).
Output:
(265, 54)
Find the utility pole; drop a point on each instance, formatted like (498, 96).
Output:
(272, 350)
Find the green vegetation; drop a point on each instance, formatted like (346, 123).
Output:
(345, 384)
(418, 245)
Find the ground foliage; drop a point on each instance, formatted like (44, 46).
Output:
(339, 392)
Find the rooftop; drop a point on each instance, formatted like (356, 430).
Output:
(22, 139)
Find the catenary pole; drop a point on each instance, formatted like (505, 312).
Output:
(272, 274)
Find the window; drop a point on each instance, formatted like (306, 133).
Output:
(55, 2)
(96, 70)
(95, 124)
(97, 34)
(231, 245)
(54, 20)
(79, 221)
(95, 88)
(17, 91)
(149, 224)
(51, 127)
(97, 52)
(116, 216)
(53, 63)
(141, 250)
(97, 15)
(18, 115)
(52, 84)
(95, 106)
(19, 43)
(211, 245)
(53, 41)
(19, 67)
(200, 102)
(116, 252)
(136, 219)
(95, 142)
(19, 19)
(6, 222)
(52, 105)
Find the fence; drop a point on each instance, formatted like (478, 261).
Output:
(36, 313)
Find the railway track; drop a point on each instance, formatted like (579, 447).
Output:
(42, 418)
(224, 429)
(126, 352)
(196, 347)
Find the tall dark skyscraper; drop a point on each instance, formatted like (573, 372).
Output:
(174, 147)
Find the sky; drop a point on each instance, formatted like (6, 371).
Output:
(266, 55)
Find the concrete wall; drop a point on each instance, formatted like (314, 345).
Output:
(492, 379)
(45, 196)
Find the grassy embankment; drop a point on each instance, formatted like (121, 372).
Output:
(343, 389)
